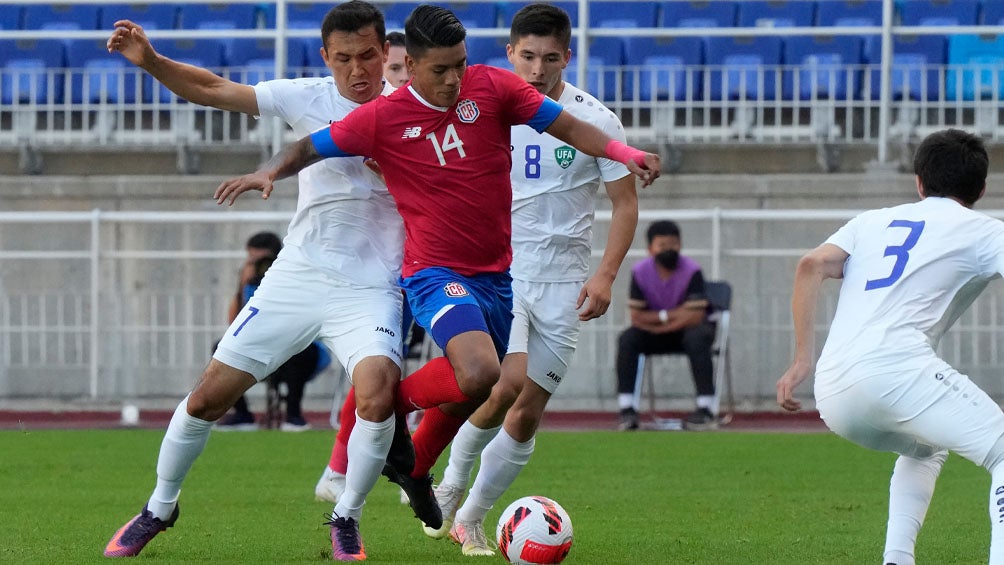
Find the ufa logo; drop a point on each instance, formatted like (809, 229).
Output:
(455, 290)
(564, 156)
(468, 111)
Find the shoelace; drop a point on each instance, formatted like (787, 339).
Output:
(477, 535)
(345, 532)
(142, 527)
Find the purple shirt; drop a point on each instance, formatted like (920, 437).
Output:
(686, 283)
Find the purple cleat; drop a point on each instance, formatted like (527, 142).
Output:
(133, 537)
(346, 543)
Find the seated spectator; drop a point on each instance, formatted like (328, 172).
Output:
(669, 314)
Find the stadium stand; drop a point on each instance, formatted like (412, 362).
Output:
(698, 14)
(623, 14)
(150, 16)
(30, 71)
(472, 14)
(977, 72)
(603, 71)
(915, 63)
(668, 68)
(217, 16)
(771, 13)
(939, 12)
(849, 13)
(36, 16)
(481, 49)
(253, 60)
(993, 13)
(829, 67)
(743, 68)
(508, 9)
(97, 76)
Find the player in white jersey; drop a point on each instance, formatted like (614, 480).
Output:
(908, 273)
(335, 279)
(554, 191)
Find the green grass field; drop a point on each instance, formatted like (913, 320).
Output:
(633, 498)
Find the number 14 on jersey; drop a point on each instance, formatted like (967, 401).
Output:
(451, 141)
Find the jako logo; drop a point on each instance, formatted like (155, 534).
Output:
(553, 377)
(387, 331)
(455, 290)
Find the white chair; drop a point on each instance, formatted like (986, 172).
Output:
(719, 294)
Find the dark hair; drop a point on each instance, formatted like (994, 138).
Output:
(952, 163)
(351, 17)
(261, 265)
(265, 240)
(396, 39)
(662, 228)
(431, 26)
(541, 19)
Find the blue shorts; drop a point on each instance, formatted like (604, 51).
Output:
(447, 304)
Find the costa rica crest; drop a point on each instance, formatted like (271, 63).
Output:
(467, 111)
(455, 290)
(564, 156)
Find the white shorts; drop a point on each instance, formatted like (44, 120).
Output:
(917, 414)
(545, 326)
(297, 304)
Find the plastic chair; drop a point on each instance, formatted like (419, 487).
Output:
(776, 13)
(719, 294)
(698, 14)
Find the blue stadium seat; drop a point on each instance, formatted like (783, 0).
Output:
(606, 52)
(84, 15)
(160, 16)
(502, 63)
(206, 53)
(471, 14)
(218, 16)
(939, 12)
(781, 13)
(480, 49)
(99, 76)
(508, 9)
(849, 12)
(667, 59)
(11, 16)
(253, 60)
(739, 66)
(641, 14)
(698, 14)
(993, 12)
(916, 61)
(915, 65)
(823, 67)
(24, 66)
(311, 47)
(980, 75)
(306, 14)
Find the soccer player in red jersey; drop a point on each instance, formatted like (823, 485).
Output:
(443, 143)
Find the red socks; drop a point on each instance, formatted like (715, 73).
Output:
(434, 433)
(346, 419)
(432, 385)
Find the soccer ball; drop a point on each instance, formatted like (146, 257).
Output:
(534, 530)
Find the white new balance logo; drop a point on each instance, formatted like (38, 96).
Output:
(412, 132)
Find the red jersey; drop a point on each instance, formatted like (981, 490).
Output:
(448, 168)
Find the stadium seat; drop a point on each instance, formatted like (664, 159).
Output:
(849, 12)
(480, 49)
(206, 53)
(698, 14)
(782, 13)
(719, 294)
(160, 16)
(939, 12)
(975, 66)
(742, 68)
(11, 16)
(99, 76)
(828, 67)
(29, 71)
(471, 14)
(606, 53)
(311, 13)
(502, 63)
(640, 14)
(993, 13)
(218, 16)
(508, 9)
(84, 15)
(661, 65)
(311, 47)
(915, 63)
(253, 60)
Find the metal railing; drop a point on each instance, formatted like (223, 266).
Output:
(112, 305)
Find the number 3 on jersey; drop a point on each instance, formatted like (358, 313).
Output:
(901, 252)
(450, 141)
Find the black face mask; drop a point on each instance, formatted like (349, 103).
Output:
(668, 259)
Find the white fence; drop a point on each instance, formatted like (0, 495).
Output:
(112, 305)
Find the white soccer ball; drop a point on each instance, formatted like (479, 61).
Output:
(534, 530)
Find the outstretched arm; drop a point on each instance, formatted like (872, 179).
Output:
(624, 220)
(291, 160)
(823, 262)
(195, 84)
(591, 140)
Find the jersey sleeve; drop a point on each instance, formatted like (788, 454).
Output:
(274, 97)
(845, 237)
(993, 249)
(353, 135)
(524, 103)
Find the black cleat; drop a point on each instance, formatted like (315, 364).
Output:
(421, 497)
(402, 451)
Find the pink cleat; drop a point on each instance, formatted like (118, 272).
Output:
(133, 537)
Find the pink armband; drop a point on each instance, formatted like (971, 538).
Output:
(623, 153)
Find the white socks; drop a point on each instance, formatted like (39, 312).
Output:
(625, 400)
(467, 445)
(183, 442)
(910, 490)
(368, 446)
(501, 462)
